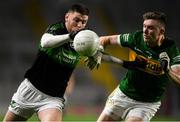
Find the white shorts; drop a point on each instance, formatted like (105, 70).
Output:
(119, 106)
(28, 100)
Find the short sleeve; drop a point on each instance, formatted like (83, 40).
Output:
(175, 56)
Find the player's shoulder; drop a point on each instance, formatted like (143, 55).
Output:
(137, 34)
(168, 42)
(57, 28)
(56, 25)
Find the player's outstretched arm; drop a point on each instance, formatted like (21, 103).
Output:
(112, 59)
(140, 63)
(137, 64)
(108, 40)
(50, 40)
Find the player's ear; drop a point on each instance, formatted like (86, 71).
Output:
(162, 30)
(66, 17)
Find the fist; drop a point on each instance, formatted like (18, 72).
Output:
(73, 34)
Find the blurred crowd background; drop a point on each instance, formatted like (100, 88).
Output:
(23, 22)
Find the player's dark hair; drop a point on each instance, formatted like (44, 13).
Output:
(80, 8)
(161, 17)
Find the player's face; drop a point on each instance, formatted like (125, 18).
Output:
(75, 21)
(153, 32)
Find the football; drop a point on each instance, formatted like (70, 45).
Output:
(86, 42)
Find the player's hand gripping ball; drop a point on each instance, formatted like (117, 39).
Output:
(86, 42)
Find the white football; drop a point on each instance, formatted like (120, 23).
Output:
(86, 42)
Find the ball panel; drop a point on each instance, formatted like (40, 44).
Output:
(86, 42)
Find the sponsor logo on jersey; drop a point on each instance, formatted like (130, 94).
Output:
(66, 57)
(154, 67)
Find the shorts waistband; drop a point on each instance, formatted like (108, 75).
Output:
(30, 85)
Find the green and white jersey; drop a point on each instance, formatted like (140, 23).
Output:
(53, 66)
(139, 85)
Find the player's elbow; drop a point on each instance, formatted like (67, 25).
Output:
(44, 44)
(45, 40)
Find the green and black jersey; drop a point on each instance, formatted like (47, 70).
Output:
(139, 85)
(53, 66)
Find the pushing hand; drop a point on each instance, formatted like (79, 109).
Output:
(95, 60)
(164, 61)
(73, 34)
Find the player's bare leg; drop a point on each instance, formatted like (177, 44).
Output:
(50, 114)
(134, 119)
(103, 118)
(10, 116)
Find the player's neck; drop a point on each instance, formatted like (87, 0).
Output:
(160, 41)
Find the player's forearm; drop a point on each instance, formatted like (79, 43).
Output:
(111, 59)
(125, 64)
(174, 74)
(49, 40)
(109, 40)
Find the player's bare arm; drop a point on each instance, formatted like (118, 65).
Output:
(174, 73)
(106, 40)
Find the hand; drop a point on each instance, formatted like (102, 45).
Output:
(95, 60)
(73, 34)
(164, 61)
